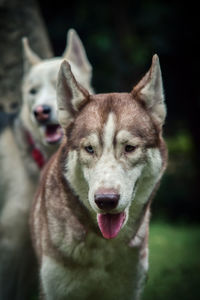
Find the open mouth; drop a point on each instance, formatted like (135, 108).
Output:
(53, 133)
(110, 224)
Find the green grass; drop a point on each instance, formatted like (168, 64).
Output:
(174, 270)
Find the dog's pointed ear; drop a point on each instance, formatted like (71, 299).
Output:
(29, 56)
(70, 95)
(150, 91)
(75, 52)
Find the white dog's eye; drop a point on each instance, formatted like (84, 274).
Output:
(33, 91)
(89, 149)
(129, 148)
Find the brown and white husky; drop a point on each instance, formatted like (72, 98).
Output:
(24, 149)
(90, 217)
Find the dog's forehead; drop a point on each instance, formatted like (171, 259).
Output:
(127, 111)
(117, 103)
(127, 114)
(45, 70)
(49, 65)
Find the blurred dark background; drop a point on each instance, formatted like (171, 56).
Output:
(120, 38)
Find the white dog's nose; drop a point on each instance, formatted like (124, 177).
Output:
(106, 199)
(42, 113)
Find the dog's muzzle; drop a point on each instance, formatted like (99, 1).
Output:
(52, 131)
(110, 223)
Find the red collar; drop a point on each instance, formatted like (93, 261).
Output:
(35, 152)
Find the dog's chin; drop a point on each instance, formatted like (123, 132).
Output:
(52, 133)
(111, 224)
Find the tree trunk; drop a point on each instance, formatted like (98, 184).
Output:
(18, 18)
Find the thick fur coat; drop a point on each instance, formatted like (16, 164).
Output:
(90, 217)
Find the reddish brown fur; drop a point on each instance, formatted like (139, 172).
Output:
(61, 221)
(58, 200)
(126, 109)
(53, 184)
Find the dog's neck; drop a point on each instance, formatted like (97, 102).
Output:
(27, 144)
(36, 153)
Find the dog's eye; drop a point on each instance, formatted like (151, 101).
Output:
(89, 149)
(129, 148)
(33, 91)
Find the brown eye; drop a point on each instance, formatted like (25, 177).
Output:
(33, 91)
(89, 149)
(129, 148)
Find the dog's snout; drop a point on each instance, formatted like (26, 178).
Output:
(106, 201)
(42, 113)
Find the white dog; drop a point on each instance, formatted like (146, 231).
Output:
(24, 149)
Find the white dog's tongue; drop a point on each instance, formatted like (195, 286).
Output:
(110, 224)
(53, 133)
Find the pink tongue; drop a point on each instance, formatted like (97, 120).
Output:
(110, 224)
(53, 133)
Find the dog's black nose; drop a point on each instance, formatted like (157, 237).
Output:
(42, 113)
(106, 202)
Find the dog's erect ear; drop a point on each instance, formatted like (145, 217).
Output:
(30, 58)
(75, 52)
(150, 91)
(70, 95)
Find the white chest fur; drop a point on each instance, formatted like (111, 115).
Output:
(101, 269)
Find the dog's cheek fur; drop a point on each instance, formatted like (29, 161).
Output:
(75, 177)
(27, 119)
(151, 174)
(26, 113)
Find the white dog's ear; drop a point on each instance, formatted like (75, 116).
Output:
(150, 91)
(75, 52)
(70, 95)
(30, 58)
